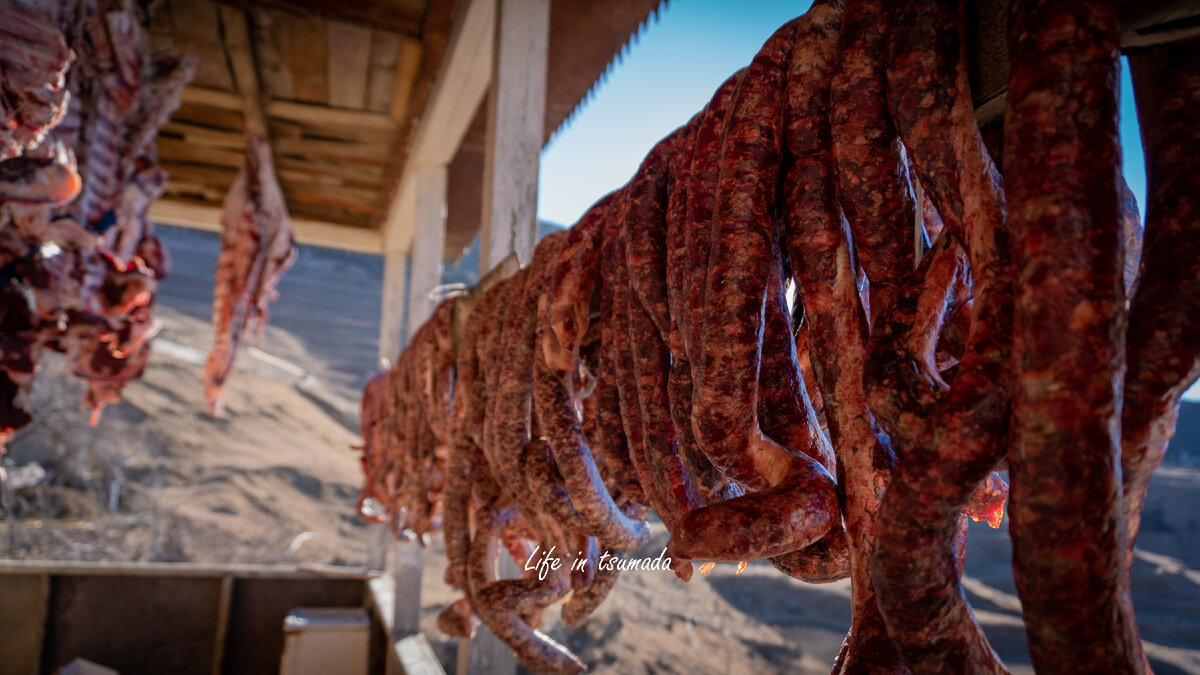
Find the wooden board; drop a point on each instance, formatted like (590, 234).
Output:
(174, 619)
(385, 51)
(209, 116)
(197, 30)
(349, 57)
(22, 621)
(307, 54)
(408, 67)
(255, 637)
(271, 46)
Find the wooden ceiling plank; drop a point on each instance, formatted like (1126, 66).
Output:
(302, 147)
(208, 116)
(271, 44)
(314, 194)
(311, 232)
(349, 56)
(403, 16)
(461, 84)
(236, 37)
(350, 172)
(200, 153)
(408, 65)
(229, 140)
(216, 98)
(324, 116)
(307, 55)
(385, 53)
(217, 176)
(197, 30)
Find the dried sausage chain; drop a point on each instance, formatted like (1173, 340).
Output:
(646, 358)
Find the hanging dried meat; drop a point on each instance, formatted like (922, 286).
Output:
(947, 324)
(257, 247)
(78, 285)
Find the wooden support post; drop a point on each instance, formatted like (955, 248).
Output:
(391, 320)
(406, 570)
(516, 120)
(429, 242)
(515, 133)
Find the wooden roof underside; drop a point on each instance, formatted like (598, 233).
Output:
(340, 86)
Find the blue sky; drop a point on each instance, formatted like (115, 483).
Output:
(670, 73)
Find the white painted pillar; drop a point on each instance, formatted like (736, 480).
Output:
(516, 119)
(391, 314)
(429, 243)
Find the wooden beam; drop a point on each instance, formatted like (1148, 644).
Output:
(459, 88)
(391, 315)
(216, 98)
(310, 232)
(399, 16)
(385, 52)
(408, 65)
(325, 116)
(236, 37)
(515, 129)
(428, 244)
(376, 153)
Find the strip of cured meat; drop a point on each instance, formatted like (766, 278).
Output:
(819, 249)
(1063, 463)
(930, 100)
(257, 247)
(871, 172)
(796, 504)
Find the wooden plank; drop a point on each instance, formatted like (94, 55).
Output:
(416, 656)
(333, 215)
(311, 232)
(220, 176)
(325, 116)
(216, 98)
(461, 85)
(255, 638)
(218, 138)
(345, 198)
(197, 30)
(200, 153)
(23, 621)
(236, 38)
(178, 187)
(402, 16)
(222, 624)
(160, 624)
(351, 173)
(209, 116)
(515, 129)
(429, 243)
(408, 65)
(307, 54)
(385, 53)
(271, 44)
(149, 569)
(407, 564)
(377, 153)
(349, 56)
